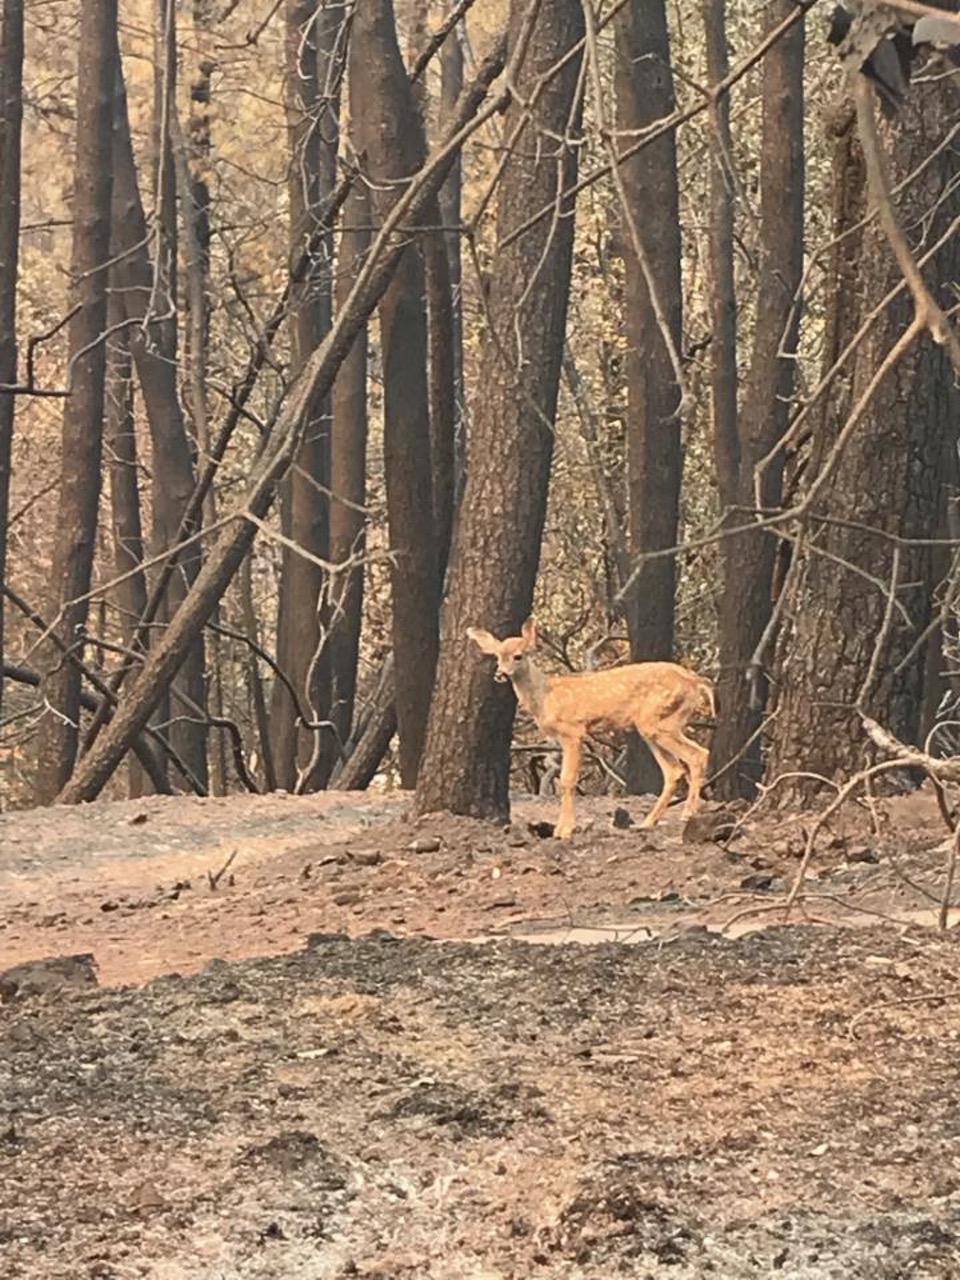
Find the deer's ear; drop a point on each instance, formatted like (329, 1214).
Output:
(529, 633)
(483, 640)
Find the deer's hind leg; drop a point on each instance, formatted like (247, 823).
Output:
(672, 771)
(694, 760)
(572, 749)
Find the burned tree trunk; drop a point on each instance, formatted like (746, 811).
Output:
(348, 471)
(130, 594)
(312, 36)
(390, 137)
(451, 82)
(644, 93)
(441, 363)
(748, 558)
(497, 549)
(887, 481)
(83, 409)
(188, 732)
(11, 119)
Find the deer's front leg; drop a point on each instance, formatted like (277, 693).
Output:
(568, 784)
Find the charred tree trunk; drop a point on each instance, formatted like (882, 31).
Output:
(11, 119)
(83, 409)
(348, 471)
(192, 156)
(466, 762)
(442, 390)
(197, 192)
(130, 594)
(889, 477)
(723, 298)
(451, 82)
(748, 559)
(172, 461)
(644, 93)
(302, 620)
(441, 372)
(390, 138)
(187, 736)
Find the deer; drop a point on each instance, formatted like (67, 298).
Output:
(658, 699)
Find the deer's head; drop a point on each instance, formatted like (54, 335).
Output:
(511, 654)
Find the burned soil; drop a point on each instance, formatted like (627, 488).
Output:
(378, 1100)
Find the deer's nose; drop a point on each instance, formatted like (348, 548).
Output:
(501, 677)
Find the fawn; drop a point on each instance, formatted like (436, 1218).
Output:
(658, 699)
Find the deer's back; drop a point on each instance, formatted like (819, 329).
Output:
(642, 694)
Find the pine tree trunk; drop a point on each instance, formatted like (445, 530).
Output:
(644, 93)
(83, 409)
(890, 476)
(497, 549)
(11, 119)
(390, 137)
(748, 559)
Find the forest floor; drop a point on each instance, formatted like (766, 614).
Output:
(330, 1041)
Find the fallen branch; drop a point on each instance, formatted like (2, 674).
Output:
(949, 994)
(947, 769)
(214, 877)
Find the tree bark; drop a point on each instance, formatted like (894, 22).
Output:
(889, 477)
(451, 82)
(390, 138)
(441, 365)
(723, 298)
(497, 549)
(192, 157)
(172, 461)
(302, 620)
(83, 409)
(643, 87)
(130, 594)
(11, 119)
(188, 733)
(281, 446)
(748, 559)
(441, 355)
(348, 480)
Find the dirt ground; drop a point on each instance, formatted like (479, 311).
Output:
(332, 1041)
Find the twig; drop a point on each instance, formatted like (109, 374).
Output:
(948, 994)
(214, 877)
(438, 38)
(30, 388)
